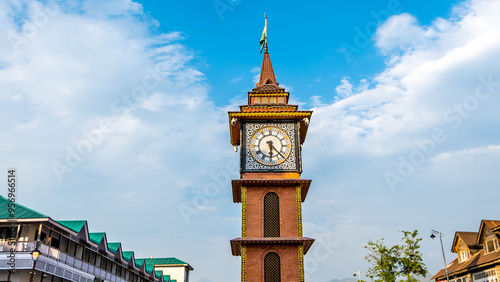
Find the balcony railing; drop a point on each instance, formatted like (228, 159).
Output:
(51, 252)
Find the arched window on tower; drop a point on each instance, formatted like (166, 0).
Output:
(272, 267)
(271, 215)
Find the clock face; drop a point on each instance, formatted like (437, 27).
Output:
(270, 145)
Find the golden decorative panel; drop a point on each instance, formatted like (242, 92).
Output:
(301, 263)
(243, 263)
(299, 211)
(243, 211)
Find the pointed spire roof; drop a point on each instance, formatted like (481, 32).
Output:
(267, 79)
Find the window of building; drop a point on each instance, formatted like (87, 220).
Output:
(272, 268)
(43, 236)
(86, 255)
(98, 260)
(464, 255)
(271, 215)
(109, 265)
(63, 246)
(71, 248)
(485, 274)
(55, 240)
(79, 251)
(104, 263)
(92, 258)
(491, 246)
(8, 233)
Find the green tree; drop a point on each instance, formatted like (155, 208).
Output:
(410, 259)
(383, 260)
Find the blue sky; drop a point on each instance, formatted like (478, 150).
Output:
(116, 112)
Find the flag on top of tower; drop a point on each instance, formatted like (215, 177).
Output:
(263, 38)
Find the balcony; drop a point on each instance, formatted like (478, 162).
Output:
(53, 261)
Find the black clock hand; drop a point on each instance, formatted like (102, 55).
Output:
(270, 143)
(271, 147)
(279, 152)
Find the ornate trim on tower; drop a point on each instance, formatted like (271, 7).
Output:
(299, 210)
(270, 132)
(243, 211)
(301, 263)
(243, 263)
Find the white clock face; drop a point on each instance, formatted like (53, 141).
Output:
(270, 146)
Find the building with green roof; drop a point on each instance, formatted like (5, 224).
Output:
(69, 252)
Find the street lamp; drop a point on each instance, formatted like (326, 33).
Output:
(34, 256)
(433, 235)
(359, 274)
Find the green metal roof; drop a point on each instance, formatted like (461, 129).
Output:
(166, 261)
(157, 261)
(113, 247)
(139, 262)
(75, 225)
(96, 237)
(158, 274)
(149, 268)
(127, 255)
(20, 212)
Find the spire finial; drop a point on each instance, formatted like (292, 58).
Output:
(263, 38)
(265, 48)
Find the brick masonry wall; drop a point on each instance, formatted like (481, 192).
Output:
(289, 258)
(255, 210)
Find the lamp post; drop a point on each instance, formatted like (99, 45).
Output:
(359, 274)
(433, 235)
(34, 256)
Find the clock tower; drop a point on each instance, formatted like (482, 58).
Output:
(270, 133)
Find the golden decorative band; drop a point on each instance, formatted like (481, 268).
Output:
(270, 114)
(301, 263)
(243, 263)
(299, 211)
(243, 211)
(279, 94)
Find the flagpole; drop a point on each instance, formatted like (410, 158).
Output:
(263, 38)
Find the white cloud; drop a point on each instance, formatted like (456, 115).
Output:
(168, 145)
(398, 33)
(414, 94)
(344, 90)
(439, 77)
(256, 74)
(93, 79)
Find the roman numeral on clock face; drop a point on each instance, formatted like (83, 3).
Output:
(270, 145)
